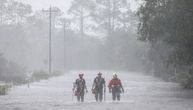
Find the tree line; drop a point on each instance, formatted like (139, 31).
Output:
(98, 34)
(115, 23)
(166, 25)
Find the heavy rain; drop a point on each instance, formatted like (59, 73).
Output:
(96, 54)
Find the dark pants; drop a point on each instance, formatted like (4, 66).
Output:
(116, 93)
(80, 96)
(99, 95)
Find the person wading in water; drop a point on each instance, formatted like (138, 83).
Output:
(99, 87)
(79, 88)
(115, 87)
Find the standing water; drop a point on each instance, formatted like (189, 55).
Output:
(141, 93)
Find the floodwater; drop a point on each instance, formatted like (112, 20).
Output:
(141, 93)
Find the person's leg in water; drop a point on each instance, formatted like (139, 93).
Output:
(96, 95)
(77, 93)
(118, 96)
(113, 94)
(82, 97)
(101, 95)
(78, 98)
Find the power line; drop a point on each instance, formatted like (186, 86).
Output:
(50, 11)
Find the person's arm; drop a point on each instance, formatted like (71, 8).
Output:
(104, 84)
(93, 84)
(74, 85)
(121, 85)
(85, 86)
(110, 86)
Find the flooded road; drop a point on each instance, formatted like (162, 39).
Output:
(141, 93)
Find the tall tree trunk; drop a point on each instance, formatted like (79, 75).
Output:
(109, 17)
(113, 17)
(81, 23)
(1, 8)
(64, 26)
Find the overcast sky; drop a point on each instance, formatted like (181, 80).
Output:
(62, 4)
(39, 4)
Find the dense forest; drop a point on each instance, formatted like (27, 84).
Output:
(166, 25)
(95, 34)
(99, 34)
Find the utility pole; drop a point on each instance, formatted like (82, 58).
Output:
(64, 43)
(81, 23)
(50, 11)
(50, 41)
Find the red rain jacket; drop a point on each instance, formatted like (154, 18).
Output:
(115, 82)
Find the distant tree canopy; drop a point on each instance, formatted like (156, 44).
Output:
(10, 71)
(19, 30)
(108, 14)
(114, 20)
(13, 12)
(167, 26)
(101, 34)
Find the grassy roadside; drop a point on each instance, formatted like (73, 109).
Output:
(42, 75)
(4, 88)
(34, 77)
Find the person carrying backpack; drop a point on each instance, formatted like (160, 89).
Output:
(98, 86)
(79, 88)
(115, 87)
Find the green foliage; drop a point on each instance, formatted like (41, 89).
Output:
(167, 26)
(56, 73)
(81, 9)
(112, 51)
(10, 71)
(13, 12)
(108, 15)
(123, 52)
(42, 75)
(3, 90)
(39, 75)
(115, 23)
